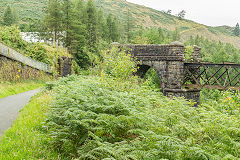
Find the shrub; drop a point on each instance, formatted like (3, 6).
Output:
(90, 120)
(11, 37)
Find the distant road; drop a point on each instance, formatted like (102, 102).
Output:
(10, 106)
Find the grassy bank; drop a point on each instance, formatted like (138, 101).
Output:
(102, 118)
(94, 118)
(11, 88)
(24, 140)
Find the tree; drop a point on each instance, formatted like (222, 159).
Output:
(169, 11)
(115, 32)
(101, 26)
(91, 26)
(67, 19)
(181, 14)
(129, 26)
(161, 35)
(79, 36)
(236, 30)
(8, 17)
(113, 35)
(53, 19)
(176, 35)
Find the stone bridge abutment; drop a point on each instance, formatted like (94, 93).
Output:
(168, 61)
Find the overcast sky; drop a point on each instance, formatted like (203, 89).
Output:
(208, 12)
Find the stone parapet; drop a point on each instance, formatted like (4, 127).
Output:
(171, 52)
(196, 54)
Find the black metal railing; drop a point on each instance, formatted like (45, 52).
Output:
(213, 76)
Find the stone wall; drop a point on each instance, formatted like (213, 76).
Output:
(191, 94)
(196, 54)
(168, 61)
(65, 65)
(11, 70)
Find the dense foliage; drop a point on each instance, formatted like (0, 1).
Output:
(29, 12)
(217, 52)
(9, 18)
(111, 117)
(90, 120)
(11, 37)
(81, 27)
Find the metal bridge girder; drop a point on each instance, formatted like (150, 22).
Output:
(213, 76)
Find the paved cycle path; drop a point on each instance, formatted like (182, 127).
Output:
(10, 106)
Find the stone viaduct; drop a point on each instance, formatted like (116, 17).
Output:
(168, 61)
(180, 77)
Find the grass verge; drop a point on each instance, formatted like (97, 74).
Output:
(24, 139)
(12, 88)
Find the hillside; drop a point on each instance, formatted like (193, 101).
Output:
(24, 8)
(148, 17)
(143, 16)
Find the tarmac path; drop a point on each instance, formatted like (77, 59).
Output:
(10, 106)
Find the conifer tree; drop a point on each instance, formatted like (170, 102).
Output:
(113, 34)
(161, 35)
(78, 30)
(109, 28)
(8, 17)
(181, 14)
(91, 26)
(129, 26)
(15, 17)
(53, 19)
(175, 35)
(67, 10)
(236, 30)
(101, 26)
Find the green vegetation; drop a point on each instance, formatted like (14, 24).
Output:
(25, 9)
(115, 116)
(11, 88)
(11, 37)
(24, 140)
(9, 17)
(48, 54)
(30, 12)
(94, 120)
(236, 30)
(112, 117)
(216, 52)
(87, 31)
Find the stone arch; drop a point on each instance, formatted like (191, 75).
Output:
(142, 70)
(159, 67)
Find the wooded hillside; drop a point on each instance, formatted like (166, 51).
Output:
(143, 16)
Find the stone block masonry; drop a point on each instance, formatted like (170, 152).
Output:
(14, 66)
(168, 61)
(65, 65)
(11, 70)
